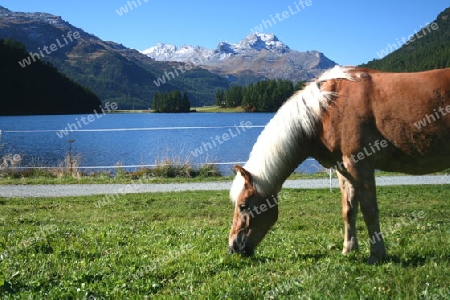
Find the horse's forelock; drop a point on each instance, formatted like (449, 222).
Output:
(237, 187)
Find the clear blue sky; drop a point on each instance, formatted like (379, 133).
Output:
(348, 32)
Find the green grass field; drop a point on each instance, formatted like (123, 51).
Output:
(174, 245)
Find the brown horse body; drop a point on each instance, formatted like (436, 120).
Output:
(354, 120)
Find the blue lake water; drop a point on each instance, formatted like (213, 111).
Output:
(136, 139)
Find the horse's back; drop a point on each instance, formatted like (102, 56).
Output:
(410, 111)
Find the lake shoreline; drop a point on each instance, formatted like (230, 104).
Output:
(200, 109)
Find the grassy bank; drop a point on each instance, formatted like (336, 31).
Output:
(172, 174)
(173, 245)
(164, 171)
(218, 109)
(212, 108)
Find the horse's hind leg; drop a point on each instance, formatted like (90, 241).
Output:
(365, 189)
(369, 208)
(349, 213)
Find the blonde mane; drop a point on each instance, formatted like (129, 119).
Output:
(278, 150)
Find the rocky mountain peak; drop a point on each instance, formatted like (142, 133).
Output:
(263, 41)
(225, 48)
(261, 54)
(4, 9)
(254, 43)
(21, 17)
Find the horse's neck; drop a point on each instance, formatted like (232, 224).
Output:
(272, 170)
(286, 141)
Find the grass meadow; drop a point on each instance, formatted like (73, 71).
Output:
(174, 246)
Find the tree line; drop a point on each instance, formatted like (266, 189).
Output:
(171, 102)
(263, 96)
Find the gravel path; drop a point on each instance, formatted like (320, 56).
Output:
(19, 191)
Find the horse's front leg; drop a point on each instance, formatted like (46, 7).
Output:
(349, 214)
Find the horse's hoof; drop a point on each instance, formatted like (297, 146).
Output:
(348, 250)
(375, 260)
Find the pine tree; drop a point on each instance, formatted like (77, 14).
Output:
(185, 104)
(220, 98)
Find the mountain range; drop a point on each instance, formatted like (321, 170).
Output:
(262, 55)
(131, 78)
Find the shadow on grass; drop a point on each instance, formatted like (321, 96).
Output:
(410, 261)
(265, 258)
(417, 260)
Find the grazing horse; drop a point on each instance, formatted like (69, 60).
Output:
(354, 120)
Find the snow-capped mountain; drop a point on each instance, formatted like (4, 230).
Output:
(261, 41)
(165, 52)
(254, 42)
(262, 55)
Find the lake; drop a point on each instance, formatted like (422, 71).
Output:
(135, 139)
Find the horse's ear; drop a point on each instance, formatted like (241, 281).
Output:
(246, 174)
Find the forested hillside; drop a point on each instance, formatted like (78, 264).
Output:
(38, 88)
(430, 49)
(132, 84)
(110, 70)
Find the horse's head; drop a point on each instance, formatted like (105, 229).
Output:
(254, 214)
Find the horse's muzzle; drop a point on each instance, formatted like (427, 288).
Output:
(240, 249)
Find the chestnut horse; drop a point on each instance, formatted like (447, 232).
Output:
(354, 120)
